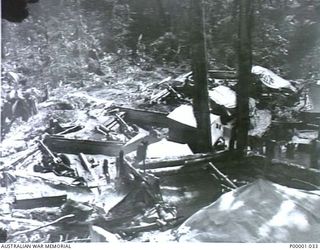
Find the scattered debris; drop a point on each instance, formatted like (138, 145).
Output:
(117, 167)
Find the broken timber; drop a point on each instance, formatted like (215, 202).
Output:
(144, 117)
(222, 176)
(20, 159)
(189, 160)
(70, 129)
(74, 146)
(84, 161)
(223, 74)
(45, 201)
(176, 170)
(159, 96)
(87, 166)
(178, 132)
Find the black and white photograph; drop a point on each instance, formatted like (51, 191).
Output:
(160, 121)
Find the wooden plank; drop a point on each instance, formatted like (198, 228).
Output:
(74, 146)
(144, 117)
(223, 74)
(159, 96)
(177, 170)
(189, 160)
(45, 201)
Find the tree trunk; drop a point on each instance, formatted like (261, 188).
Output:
(164, 22)
(244, 75)
(199, 68)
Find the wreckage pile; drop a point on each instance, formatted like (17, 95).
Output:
(116, 172)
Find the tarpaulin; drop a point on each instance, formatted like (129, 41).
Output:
(271, 80)
(258, 212)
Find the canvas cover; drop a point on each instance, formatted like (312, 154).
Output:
(258, 212)
(271, 80)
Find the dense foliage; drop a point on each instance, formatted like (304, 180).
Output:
(77, 40)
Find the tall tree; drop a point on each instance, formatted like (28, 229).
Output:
(199, 68)
(244, 74)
